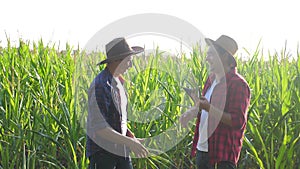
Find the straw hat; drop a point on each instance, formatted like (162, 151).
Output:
(226, 43)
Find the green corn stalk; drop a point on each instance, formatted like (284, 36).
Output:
(43, 106)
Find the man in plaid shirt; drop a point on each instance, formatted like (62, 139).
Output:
(108, 138)
(221, 111)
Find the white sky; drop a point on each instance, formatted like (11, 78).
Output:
(76, 22)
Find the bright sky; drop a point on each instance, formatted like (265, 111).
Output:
(76, 22)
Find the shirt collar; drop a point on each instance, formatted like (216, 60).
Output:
(227, 76)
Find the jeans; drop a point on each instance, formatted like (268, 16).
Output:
(103, 160)
(225, 165)
(202, 162)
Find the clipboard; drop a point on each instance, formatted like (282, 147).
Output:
(193, 93)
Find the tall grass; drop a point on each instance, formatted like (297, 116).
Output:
(43, 96)
(272, 137)
(39, 127)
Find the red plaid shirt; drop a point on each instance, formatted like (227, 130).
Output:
(232, 95)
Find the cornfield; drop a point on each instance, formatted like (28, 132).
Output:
(43, 105)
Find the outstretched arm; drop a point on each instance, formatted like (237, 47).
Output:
(113, 136)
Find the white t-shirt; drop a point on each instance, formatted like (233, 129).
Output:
(123, 106)
(202, 144)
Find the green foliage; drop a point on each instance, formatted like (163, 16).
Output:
(272, 136)
(43, 96)
(39, 126)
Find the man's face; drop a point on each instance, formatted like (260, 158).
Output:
(216, 62)
(124, 65)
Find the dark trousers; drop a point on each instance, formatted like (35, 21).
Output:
(202, 162)
(102, 160)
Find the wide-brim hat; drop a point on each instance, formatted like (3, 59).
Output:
(118, 49)
(226, 43)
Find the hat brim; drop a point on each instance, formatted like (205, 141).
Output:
(135, 50)
(211, 42)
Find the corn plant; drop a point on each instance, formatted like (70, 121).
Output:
(272, 136)
(43, 106)
(39, 127)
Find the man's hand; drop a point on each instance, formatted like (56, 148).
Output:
(203, 104)
(141, 140)
(188, 115)
(137, 148)
(134, 144)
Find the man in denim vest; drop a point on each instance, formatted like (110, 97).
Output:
(109, 141)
